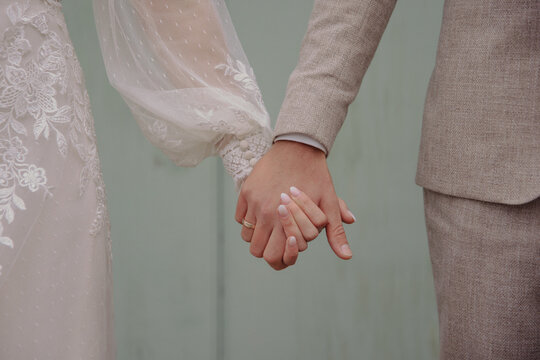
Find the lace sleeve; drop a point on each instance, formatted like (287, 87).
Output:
(182, 70)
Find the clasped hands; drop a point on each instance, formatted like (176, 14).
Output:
(289, 198)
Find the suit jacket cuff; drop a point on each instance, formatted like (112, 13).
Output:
(316, 110)
(301, 138)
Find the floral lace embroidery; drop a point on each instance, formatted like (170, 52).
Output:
(240, 154)
(244, 78)
(29, 81)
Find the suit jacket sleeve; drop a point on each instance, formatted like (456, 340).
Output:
(340, 42)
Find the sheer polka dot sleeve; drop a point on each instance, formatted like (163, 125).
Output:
(182, 70)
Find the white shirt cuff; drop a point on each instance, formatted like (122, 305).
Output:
(301, 138)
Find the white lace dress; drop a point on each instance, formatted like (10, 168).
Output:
(182, 71)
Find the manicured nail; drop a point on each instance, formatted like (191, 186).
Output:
(294, 191)
(292, 241)
(285, 199)
(282, 210)
(352, 215)
(346, 250)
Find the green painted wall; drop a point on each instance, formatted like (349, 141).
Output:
(185, 284)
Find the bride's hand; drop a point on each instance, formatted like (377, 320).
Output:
(303, 220)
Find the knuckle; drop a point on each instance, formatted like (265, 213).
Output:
(245, 238)
(306, 204)
(278, 267)
(253, 250)
(272, 259)
(311, 234)
(287, 224)
(290, 262)
(320, 221)
(324, 219)
(304, 198)
(266, 212)
(245, 192)
(339, 231)
(244, 235)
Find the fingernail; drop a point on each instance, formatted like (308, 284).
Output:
(346, 250)
(352, 215)
(282, 210)
(285, 198)
(292, 241)
(294, 191)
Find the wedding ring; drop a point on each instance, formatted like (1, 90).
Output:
(247, 224)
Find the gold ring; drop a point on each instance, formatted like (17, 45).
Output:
(247, 224)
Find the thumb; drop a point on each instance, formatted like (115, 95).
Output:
(335, 232)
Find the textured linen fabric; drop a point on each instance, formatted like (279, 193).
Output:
(481, 128)
(339, 45)
(486, 267)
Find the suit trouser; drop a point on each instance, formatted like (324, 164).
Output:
(486, 268)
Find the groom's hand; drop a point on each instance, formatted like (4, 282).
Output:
(288, 164)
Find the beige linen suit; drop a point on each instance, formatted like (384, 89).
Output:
(479, 156)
